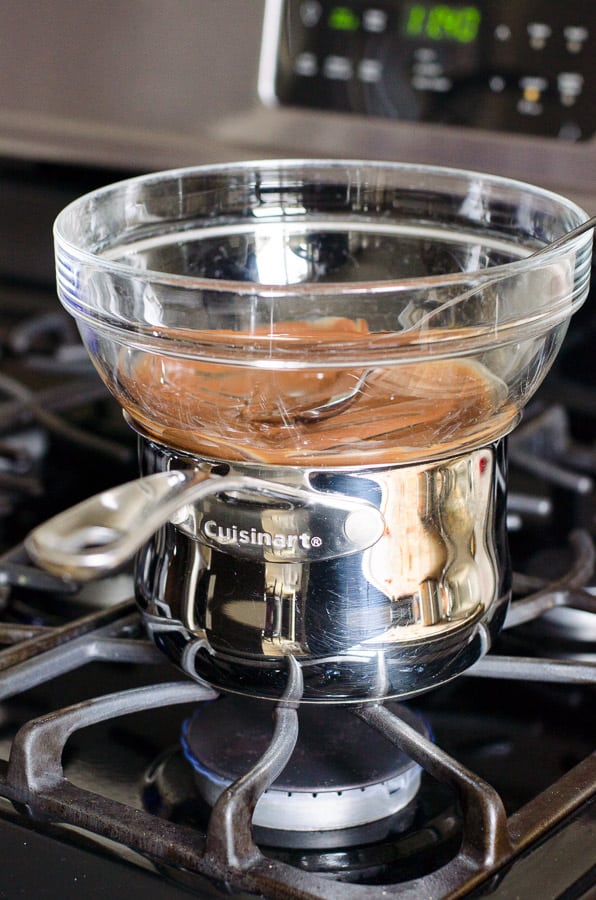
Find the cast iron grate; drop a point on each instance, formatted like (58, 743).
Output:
(33, 779)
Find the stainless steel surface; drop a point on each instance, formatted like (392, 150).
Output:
(133, 85)
(542, 161)
(146, 86)
(412, 610)
(280, 523)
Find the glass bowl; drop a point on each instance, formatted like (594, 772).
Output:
(321, 312)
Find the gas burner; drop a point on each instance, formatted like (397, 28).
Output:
(410, 844)
(344, 784)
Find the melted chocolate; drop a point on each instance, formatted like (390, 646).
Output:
(402, 412)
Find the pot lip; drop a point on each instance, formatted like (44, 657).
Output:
(271, 471)
(71, 251)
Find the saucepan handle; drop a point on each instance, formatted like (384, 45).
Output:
(103, 532)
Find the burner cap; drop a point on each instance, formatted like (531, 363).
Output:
(342, 773)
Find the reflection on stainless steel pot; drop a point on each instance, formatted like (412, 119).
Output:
(226, 599)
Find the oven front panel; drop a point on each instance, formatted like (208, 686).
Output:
(526, 68)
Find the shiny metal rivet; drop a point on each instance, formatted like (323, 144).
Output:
(363, 527)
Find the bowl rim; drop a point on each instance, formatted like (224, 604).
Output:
(68, 251)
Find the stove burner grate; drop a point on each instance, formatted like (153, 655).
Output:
(225, 852)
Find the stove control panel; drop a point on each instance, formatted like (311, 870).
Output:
(524, 67)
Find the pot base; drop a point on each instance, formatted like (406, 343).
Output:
(356, 677)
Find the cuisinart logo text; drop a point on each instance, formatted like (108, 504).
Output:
(231, 534)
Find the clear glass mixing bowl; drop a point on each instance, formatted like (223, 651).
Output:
(321, 312)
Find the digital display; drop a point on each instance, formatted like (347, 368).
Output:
(342, 18)
(527, 67)
(442, 22)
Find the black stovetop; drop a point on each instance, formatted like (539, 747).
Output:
(101, 797)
